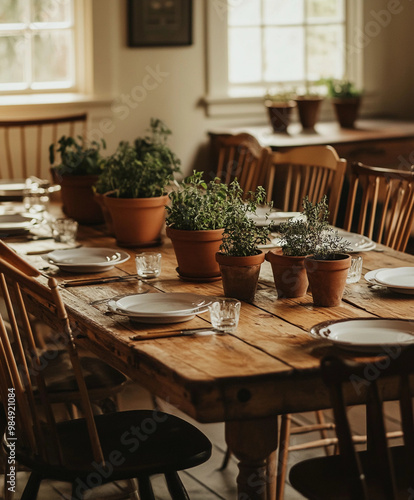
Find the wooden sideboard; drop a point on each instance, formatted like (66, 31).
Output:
(379, 142)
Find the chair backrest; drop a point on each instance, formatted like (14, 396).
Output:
(344, 377)
(241, 156)
(381, 204)
(22, 363)
(24, 144)
(309, 170)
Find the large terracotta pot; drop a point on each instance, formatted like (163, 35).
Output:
(196, 252)
(289, 274)
(347, 110)
(279, 114)
(327, 279)
(78, 198)
(137, 222)
(240, 275)
(308, 108)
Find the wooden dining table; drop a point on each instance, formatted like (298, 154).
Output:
(270, 365)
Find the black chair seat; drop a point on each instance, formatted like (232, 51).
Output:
(325, 478)
(135, 443)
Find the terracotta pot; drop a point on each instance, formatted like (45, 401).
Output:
(347, 110)
(240, 275)
(78, 198)
(308, 108)
(196, 252)
(327, 279)
(289, 274)
(279, 114)
(137, 222)
(100, 200)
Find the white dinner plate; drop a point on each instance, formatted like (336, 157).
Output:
(173, 318)
(16, 223)
(366, 334)
(398, 277)
(79, 260)
(371, 278)
(273, 218)
(161, 304)
(358, 242)
(12, 187)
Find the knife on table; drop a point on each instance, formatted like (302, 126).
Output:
(98, 281)
(173, 333)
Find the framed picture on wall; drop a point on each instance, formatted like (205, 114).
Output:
(159, 23)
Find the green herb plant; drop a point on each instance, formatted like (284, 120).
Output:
(142, 170)
(343, 89)
(311, 234)
(241, 235)
(77, 157)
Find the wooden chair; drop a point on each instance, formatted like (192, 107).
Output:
(87, 451)
(310, 170)
(241, 156)
(381, 472)
(24, 144)
(381, 204)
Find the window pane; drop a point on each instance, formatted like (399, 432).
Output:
(12, 54)
(51, 56)
(12, 11)
(325, 10)
(284, 57)
(51, 11)
(325, 52)
(283, 12)
(245, 63)
(243, 13)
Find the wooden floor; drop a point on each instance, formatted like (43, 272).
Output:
(205, 482)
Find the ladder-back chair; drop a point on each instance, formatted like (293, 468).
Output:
(24, 144)
(381, 204)
(310, 170)
(77, 450)
(241, 156)
(381, 472)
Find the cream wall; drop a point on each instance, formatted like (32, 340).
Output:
(122, 71)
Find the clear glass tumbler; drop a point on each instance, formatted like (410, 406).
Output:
(224, 314)
(148, 264)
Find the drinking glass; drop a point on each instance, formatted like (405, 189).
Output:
(355, 270)
(148, 264)
(64, 230)
(224, 314)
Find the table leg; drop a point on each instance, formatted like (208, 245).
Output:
(252, 442)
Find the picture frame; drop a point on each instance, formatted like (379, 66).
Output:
(159, 23)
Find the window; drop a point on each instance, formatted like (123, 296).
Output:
(256, 46)
(37, 45)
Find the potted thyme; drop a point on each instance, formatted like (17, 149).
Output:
(346, 99)
(240, 258)
(308, 246)
(78, 170)
(134, 182)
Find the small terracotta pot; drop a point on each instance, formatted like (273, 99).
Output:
(78, 198)
(327, 279)
(137, 222)
(279, 114)
(196, 252)
(289, 274)
(240, 275)
(347, 110)
(308, 108)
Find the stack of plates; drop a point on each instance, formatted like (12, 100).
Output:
(160, 307)
(358, 242)
(397, 279)
(86, 260)
(274, 217)
(366, 334)
(13, 224)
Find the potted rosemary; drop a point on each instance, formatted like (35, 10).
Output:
(346, 99)
(309, 249)
(240, 258)
(133, 182)
(78, 170)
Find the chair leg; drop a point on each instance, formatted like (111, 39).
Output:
(320, 417)
(145, 488)
(284, 438)
(32, 487)
(176, 487)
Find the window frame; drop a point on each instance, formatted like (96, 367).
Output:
(218, 102)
